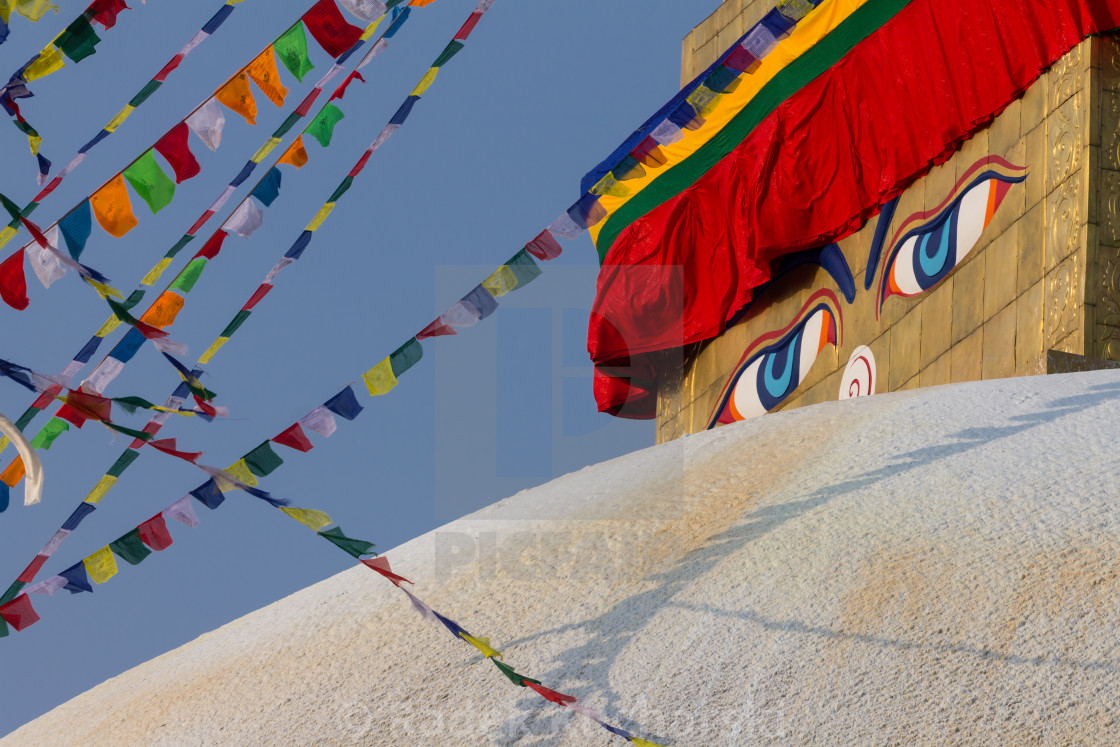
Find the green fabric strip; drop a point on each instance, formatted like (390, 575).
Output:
(147, 178)
(144, 93)
(189, 276)
(355, 547)
(406, 356)
(179, 246)
(26, 418)
(291, 48)
(262, 461)
(524, 267)
(130, 432)
(133, 298)
(863, 22)
(287, 124)
(342, 188)
(237, 322)
(448, 52)
(322, 127)
(77, 41)
(12, 592)
(130, 404)
(54, 428)
(513, 676)
(130, 548)
(123, 461)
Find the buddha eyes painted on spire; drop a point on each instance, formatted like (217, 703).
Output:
(775, 364)
(930, 245)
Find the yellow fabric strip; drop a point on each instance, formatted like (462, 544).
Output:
(265, 149)
(7, 234)
(106, 291)
(106, 329)
(101, 566)
(118, 120)
(483, 645)
(103, 486)
(380, 379)
(425, 82)
(214, 347)
(34, 9)
(321, 216)
(240, 470)
(811, 29)
(309, 517)
(154, 273)
(371, 28)
(34, 141)
(49, 61)
(500, 282)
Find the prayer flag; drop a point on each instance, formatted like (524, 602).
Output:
(13, 283)
(483, 645)
(101, 565)
(367, 10)
(105, 11)
(213, 245)
(208, 495)
(322, 127)
(48, 61)
(263, 72)
(154, 533)
(32, 568)
(344, 404)
(320, 420)
(551, 695)
(76, 227)
(424, 610)
(175, 147)
(44, 263)
(291, 48)
(462, 314)
(330, 29)
(186, 279)
(163, 312)
(82, 511)
(14, 472)
(237, 96)
(448, 52)
(296, 155)
(19, 613)
(241, 473)
(33, 10)
(149, 181)
(314, 520)
(78, 39)
(182, 511)
(438, 328)
(207, 123)
(294, 438)
(54, 428)
(514, 677)
(381, 565)
(112, 208)
(524, 268)
(245, 220)
(500, 282)
(482, 300)
(406, 356)
(268, 189)
(355, 547)
(380, 379)
(130, 548)
(168, 446)
(340, 92)
(544, 246)
(92, 406)
(262, 460)
(48, 586)
(76, 579)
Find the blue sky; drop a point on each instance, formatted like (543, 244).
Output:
(493, 152)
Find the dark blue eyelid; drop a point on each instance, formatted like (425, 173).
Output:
(886, 215)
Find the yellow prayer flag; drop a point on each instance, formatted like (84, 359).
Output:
(240, 471)
(162, 313)
(500, 282)
(107, 328)
(263, 72)
(4, 441)
(105, 291)
(101, 566)
(34, 141)
(425, 82)
(7, 235)
(214, 347)
(322, 215)
(237, 95)
(155, 272)
(34, 9)
(483, 645)
(265, 150)
(101, 489)
(380, 379)
(50, 60)
(112, 207)
(118, 120)
(296, 155)
(309, 517)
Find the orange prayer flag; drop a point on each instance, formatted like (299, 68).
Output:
(263, 72)
(237, 95)
(296, 155)
(14, 473)
(113, 208)
(162, 313)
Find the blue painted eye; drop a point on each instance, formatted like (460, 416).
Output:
(767, 378)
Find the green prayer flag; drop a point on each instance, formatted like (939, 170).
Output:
(147, 178)
(77, 41)
(123, 461)
(291, 48)
(134, 298)
(10, 207)
(145, 92)
(130, 404)
(448, 52)
(189, 276)
(26, 418)
(339, 191)
(406, 356)
(322, 127)
(130, 548)
(524, 267)
(513, 676)
(54, 428)
(355, 547)
(12, 592)
(262, 460)
(3, 628)
(129, 431)
(120, 312)
(237, 322)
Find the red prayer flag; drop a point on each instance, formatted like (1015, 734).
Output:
(19, 613)
(167, 446)
(154, 534)
(294, 438)
(466, 29)
(13, 284)
(381, 565)
(258, 294)
(105, 11)
(36, 233)
(436, 329)
(213, 245)
(175, 147)
(325, 22)
(544, 246)
(32, 568)
(555, 697)
(90, 406)
(341, 90)
(72, 416)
